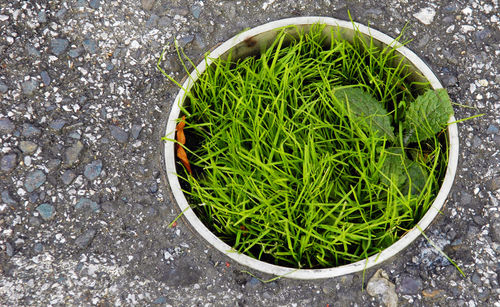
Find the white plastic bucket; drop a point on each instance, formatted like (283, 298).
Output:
(247, 43)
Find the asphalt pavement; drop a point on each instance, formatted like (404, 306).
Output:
(85, 209)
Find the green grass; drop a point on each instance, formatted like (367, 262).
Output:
(288, 171)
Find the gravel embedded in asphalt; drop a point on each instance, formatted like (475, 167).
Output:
(84, 212)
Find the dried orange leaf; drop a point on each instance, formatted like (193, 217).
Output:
(181, 138)
(181, 154)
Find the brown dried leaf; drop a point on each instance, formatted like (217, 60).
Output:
(181, 154)
(181, 138)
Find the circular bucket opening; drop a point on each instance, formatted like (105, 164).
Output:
(249, 43)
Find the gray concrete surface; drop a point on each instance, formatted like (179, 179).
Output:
(84, 209)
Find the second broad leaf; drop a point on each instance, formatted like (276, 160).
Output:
(370, 112)
(427, 115)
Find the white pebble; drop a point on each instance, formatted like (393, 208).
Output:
(467, 28)
(425, 15)
(267, 4)
(467, 11)
(21, 192)
(487, 8)
(7, 233)
(135, 45)
(483, 82)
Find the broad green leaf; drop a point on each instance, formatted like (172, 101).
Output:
(418, 177)
(401, 171)
(393, 167)
(368, 110)
(427, 115)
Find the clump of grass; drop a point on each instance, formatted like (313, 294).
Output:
(316, 153)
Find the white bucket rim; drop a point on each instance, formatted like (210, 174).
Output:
(307, 274)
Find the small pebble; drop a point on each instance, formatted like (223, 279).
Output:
(153, 188)
(496, 139)
(449, 80)
(373, 13)
(8, 163)
(35, 221)
(85, 203)
(90, 45)
(74, 53)
(68, 176)
(410, 285)
(423, 41)
(6, 125)
(483, 35)
(33, 51)
(199, 41)
(61, 13)
(38, 247)
(183, 41)
(84, 240)
(495, 229)
(160, 300)
(152, 21)
(53, 164)
(196, 11)
(47, 211)
(6, 198)
(34, 180)
(425, 15)
(253, 282)
(451, 7)
(476, 278)
(75, 135)
(379, 285)
(28, 147)
(58, 46)
(147, 4)
(164, 22)
(3, 87)
(135, 131)
(42, 17)
(9, 249)
(57, 124)
(72, 154)
(29, 86)
(134, 45)
(95, 4)
(45, 78)
(492, 129)
(118, 134)
(29, 130)
(81, 3)
(93, 170)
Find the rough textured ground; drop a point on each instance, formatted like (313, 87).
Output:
(84, 209)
